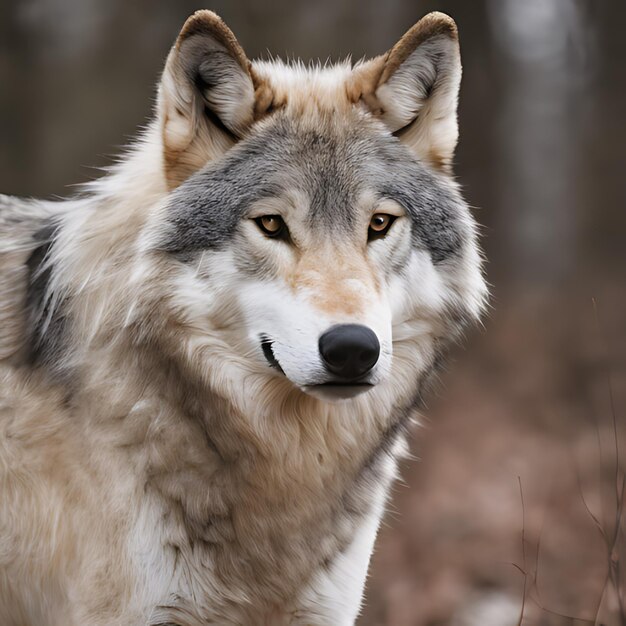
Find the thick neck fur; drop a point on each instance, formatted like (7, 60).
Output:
(268, 497)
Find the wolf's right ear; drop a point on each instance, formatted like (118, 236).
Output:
(206, 96)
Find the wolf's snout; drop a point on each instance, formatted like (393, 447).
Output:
(349, 350)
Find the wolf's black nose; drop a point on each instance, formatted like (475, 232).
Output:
(349, 350)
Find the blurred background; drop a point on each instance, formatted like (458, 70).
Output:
(514, 497)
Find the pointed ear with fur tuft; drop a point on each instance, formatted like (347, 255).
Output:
(417, 89)
(206, 96)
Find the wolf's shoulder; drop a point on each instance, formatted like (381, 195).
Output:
(16, 212)
(22, 222)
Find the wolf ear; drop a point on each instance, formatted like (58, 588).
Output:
(416, 89)
(206, 96)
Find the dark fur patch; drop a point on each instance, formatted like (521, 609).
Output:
(432, 208)
(206, 210)
(46, 328)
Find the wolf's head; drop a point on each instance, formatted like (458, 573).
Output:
(312, 231)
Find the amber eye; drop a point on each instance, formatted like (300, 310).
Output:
(271, 225)
(379, 225)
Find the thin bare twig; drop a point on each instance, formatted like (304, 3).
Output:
(523, 568)
(614, 571)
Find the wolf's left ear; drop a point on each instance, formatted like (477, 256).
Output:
(416, 86)
(206, 96)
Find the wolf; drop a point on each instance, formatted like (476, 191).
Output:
(211, 355)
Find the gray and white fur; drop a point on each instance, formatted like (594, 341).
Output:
(178, 444)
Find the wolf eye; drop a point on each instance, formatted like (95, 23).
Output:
(272, 225)
(379, 225)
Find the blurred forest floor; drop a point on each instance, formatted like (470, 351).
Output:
(529, 404)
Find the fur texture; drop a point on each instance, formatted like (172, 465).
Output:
(168, 451)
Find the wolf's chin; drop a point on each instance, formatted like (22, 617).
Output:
(332, 392)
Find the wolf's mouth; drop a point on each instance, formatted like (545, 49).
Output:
(337, 391)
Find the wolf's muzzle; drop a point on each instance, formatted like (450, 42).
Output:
(349, 351)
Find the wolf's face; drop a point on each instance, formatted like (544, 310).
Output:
(317, 244)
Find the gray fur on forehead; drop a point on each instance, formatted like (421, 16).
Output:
(332, 163)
